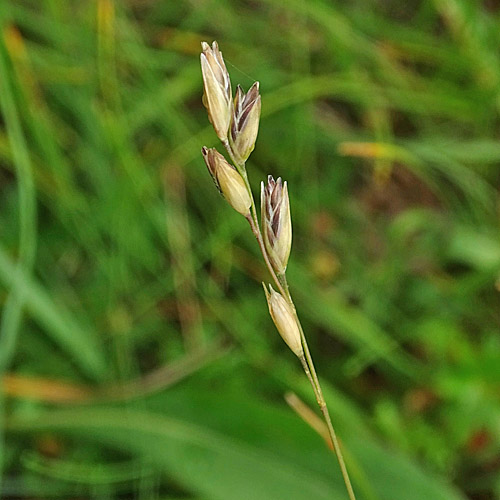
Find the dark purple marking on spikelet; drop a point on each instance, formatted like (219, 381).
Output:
(273, 195)
(242, 106)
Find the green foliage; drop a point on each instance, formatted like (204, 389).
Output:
(137, 355)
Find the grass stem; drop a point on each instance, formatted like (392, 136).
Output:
(306, 360)
(282, 285)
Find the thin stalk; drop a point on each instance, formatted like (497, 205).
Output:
(258, 236)
(288, 296)
(309, 368)
(306, 361)
(307, 371)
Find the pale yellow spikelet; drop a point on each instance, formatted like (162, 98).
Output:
(228, 181)
(284, 319)
(217, 96)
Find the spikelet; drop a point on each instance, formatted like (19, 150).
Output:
(276, 222)
(228, 181)
(245, 122)
(217, 95)
(284, 319)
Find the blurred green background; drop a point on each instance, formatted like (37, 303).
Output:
(137, 356)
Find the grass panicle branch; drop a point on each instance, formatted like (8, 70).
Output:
(236, 124)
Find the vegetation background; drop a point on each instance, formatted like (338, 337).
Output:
(137, 356)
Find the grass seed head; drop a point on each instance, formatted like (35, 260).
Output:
(284, 319)
(276, 222)
(228, 181)
(217, 95)
(245, 122)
